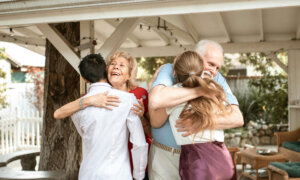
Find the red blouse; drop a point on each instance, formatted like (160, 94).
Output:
(139, 93)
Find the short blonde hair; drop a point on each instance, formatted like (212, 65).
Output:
(131, 83)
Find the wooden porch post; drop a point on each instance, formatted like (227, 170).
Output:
(294, 88)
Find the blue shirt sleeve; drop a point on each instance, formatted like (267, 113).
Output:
(165, 76)
(229, 96)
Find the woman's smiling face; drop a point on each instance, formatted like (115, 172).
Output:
(118, 73)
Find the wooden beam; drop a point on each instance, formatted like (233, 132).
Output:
(86, 34)
(99, 36)
(153, 51)
(298, 25)
(131, 37)
(41, 11)
(261, 46)
(278, 62)
(118, 37)
(224, 27)
(191, 28)
(92, 35)
(27, 32)
(22, 40)
(178, 32)
(176, 20)
(182, 25)
(294, 88)
(298, 31)
(61, 44)
(261, 25)
(228, 48)
(37, 49)
(161, 35)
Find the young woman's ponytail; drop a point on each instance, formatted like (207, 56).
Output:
(188, 67)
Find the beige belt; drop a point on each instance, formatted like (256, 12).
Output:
(166, 148)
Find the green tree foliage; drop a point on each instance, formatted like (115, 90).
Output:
(248, 104)
(148, 66)
(224, 69)
(271, 98)
(3, 102)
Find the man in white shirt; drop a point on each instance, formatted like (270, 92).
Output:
(105, 133)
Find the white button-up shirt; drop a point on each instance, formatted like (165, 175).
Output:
(105, 136)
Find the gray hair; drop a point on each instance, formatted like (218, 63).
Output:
(200, 48)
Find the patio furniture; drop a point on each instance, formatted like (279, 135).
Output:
(28, 162)
(233, 151)
(284, 171)
(289, 144)
(7, 173)
(27, 157)
(257, 161)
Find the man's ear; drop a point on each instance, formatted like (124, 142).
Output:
(174, 73)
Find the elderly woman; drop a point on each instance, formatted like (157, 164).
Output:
(121, 73)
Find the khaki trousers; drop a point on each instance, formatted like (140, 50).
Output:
(163, 165)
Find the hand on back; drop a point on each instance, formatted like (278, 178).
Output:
(104, 100)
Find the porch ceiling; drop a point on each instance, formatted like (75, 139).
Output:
(239, 25)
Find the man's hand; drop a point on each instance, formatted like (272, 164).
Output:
(186, 126)
(103, 100)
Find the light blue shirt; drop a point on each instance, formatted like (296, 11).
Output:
(165, 77)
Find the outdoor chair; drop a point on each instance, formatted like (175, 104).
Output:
(234, 154)
(28, 162)
(284, 171)
(288, 144)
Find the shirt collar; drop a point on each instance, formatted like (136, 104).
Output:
(99, 84)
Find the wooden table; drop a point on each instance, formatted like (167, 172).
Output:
(257, 161)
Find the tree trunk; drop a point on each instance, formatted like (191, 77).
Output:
(61, 144)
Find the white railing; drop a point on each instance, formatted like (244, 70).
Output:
(19, 130)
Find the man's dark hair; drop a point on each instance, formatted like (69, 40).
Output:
(93, 68)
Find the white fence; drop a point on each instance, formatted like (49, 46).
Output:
(19, 130)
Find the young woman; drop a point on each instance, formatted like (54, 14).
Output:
(203, 155)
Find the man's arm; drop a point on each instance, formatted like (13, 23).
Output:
(157, 117)
(162, 95)
(99, 100)
(67, 110)
(234, 119)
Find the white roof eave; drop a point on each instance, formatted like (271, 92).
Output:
(42, 11)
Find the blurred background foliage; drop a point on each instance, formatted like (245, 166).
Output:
(3, 102)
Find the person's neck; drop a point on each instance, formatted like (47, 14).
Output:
(102, 81)
(121, 87)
